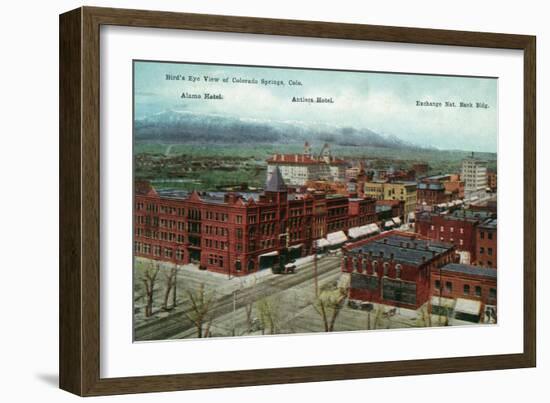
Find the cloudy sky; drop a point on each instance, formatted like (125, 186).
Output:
(383, 102)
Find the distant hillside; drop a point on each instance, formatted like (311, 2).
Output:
(190, 127)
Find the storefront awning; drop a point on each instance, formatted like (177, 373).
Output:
(364, 230)
(274, 253)
(322, 243)
(336, 238)
(442, 302)
(468, 306)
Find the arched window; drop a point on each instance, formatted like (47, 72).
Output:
(398, 270)
(238, 265)
(251, 265)
(386, 267)
(354, 264)
(374, 268)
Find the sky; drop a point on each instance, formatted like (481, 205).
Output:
(386, 103)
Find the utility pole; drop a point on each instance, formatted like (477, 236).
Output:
(175, 286)
(315, 268)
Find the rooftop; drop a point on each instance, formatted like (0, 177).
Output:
(490, 223)
(405, 249)
(470, 270)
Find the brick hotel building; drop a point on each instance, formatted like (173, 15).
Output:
(240, 233)
(394, 268)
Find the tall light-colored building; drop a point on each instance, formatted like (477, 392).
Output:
(297, 169)
(398, 190)
(474, 175)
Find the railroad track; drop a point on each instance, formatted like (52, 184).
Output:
(177, 323)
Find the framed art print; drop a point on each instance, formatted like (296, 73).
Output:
(249, 201)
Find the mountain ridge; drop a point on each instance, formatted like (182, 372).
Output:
(183, 126)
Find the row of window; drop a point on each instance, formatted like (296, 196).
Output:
(364, 266)
(216, 216)
(214, 230)
(451, 229)
(158, 251)
(482, 235)
(215, 244)
(164, 236)
(466, 289)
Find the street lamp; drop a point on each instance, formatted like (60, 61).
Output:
(368, 307)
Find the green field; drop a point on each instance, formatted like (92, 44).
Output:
(218, 166)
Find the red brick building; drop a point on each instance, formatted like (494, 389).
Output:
(458, 228)
(239, 233)
(459, 282)
(486, 240)
(420, 169)
(394, 268)
(439, 189)
(492, 180)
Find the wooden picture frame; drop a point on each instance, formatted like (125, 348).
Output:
(79, 317)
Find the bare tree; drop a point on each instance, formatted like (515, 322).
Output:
(268, 311)
(423, 316)
(328, 305)
(248, 308)
(149, 279)
(200, 315)
(169, 285)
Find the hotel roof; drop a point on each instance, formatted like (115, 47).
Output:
(301, 159)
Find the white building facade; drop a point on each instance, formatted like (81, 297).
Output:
(474, 175)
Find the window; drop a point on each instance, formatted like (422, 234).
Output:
(442, 229)
(448, 286)
(386, 266)
(481, 235)
(478, 291)
(489, 235)
(481, 250)
(490, 251)
(437, 284)
(492, 293)
(398, 271)
(466, 289)
(375, 268)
